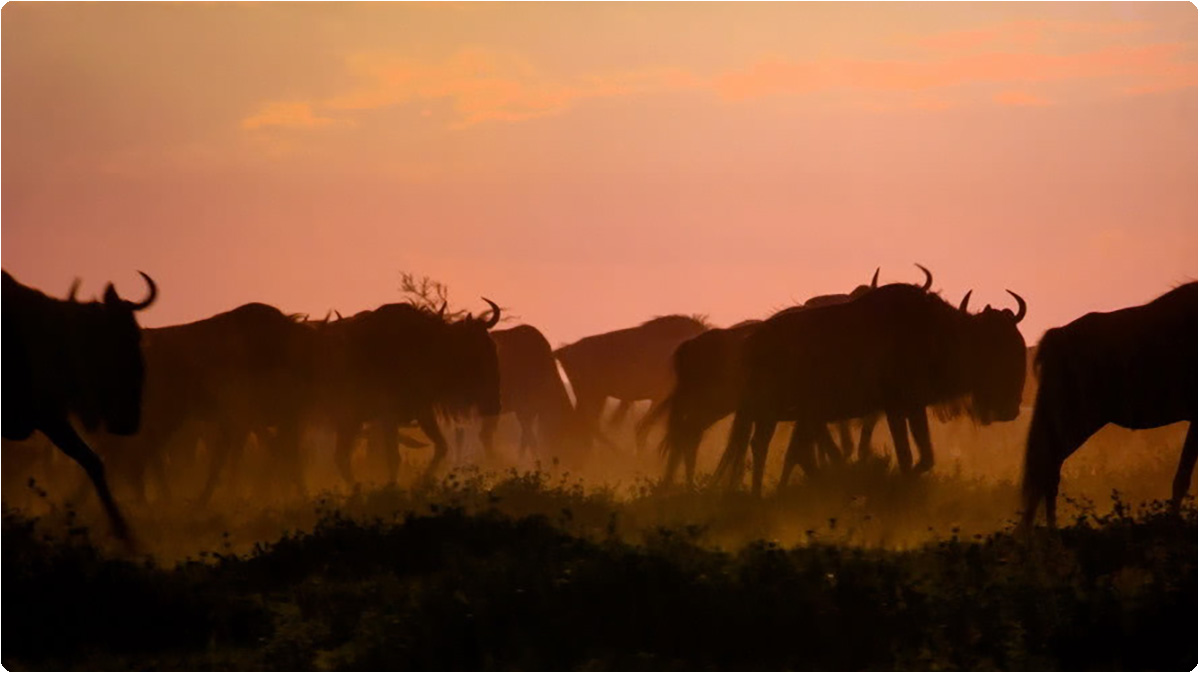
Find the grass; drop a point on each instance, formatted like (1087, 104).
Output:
(534, 569)
(527, 572)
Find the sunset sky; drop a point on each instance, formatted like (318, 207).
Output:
(592, 165)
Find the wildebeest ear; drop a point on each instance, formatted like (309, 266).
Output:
(110, 295)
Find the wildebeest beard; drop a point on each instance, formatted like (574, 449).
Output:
(470, 375)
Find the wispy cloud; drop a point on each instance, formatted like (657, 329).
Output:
(287, 115)
(483, 85)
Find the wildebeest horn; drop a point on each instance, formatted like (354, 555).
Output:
(928, 277)
(327, 316)
(74, 289)
(875, 279)
(149, 298)
(337, 314)
(962, 307)
(1020, 307)
(495, 318)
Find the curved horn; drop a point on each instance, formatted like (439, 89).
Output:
(875, 279)
(1020, 307)
(74, 289)
(928, 277)
(495, 318)
(442, 311)
(149, 298)
(962, 307)
(327, 316)
(338, 315)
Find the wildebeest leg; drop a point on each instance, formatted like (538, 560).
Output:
(689, 459)
(487, 434)
(460, 443)
(674, 455)
(642, 429)
(430, 427)
(682, 446)
(529, 440)
(288, 451)
(799, 451)
(1051, 441)
(223, 444)
(389, 441)
(898, 424)
(1187, 463)
(619, 414)
(845, 441)
(62, 435)
(590, 409)
(918, 422)
(347, 438)
(824, 441)
(864, 436)
(759, 445)
(733, 459)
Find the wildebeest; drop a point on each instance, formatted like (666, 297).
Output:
(897, 350)
(400, 363)
(251, 369)
(1134, 367)
(64, 358)
(531, 388)
(631, 364)
(707, 382)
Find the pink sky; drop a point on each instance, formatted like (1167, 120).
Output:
(592, 165)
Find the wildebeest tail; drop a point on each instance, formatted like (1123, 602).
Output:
(1052, 347)
(1037, 469)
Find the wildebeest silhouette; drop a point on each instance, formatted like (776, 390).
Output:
(251, 369)
(897, 349)
(531, 388)
(401, 363)
(1134, 367)
(631, 364)
(64, 358)
(707, 372)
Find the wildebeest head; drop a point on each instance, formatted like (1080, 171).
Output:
(474, 367)
(111, 355)
(997, 361)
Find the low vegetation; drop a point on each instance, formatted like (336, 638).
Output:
(528, 571)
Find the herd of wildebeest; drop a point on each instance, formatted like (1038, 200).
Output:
(893, 350)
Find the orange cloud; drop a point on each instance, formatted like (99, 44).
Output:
(488, 86)
(1019, 98)
(287, 115)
